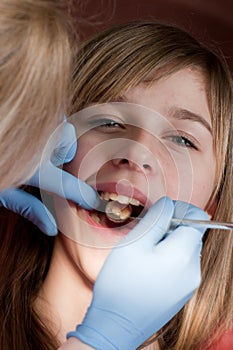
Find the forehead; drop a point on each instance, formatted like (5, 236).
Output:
(186, 89)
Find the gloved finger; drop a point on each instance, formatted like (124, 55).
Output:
(52, 179)
(66, 147)
(154, 225)
(185, 210)
(30, 208)
(182, 244)
(58, 181)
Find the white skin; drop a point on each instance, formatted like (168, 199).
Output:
(174, 167)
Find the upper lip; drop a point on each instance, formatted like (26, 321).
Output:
(131, 192)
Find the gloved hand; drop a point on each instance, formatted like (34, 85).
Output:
(52, 179)
(145, 280)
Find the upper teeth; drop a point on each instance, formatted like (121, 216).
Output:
(119, 198)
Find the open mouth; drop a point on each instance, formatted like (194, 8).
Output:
(118, 210)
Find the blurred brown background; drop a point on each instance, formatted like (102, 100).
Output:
(211, 21)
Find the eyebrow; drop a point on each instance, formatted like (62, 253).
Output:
(179, 113)
(185, 114)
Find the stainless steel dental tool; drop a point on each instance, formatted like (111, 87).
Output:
(206, 223)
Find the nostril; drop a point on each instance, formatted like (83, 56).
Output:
(124, 161)
(146, 166)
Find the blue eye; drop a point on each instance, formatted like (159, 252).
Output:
(182, 141)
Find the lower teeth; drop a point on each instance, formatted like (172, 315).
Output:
(95, 218)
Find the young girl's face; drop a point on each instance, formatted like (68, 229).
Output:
(155, 141)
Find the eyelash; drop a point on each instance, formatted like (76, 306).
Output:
(109, 124)
(185, 141)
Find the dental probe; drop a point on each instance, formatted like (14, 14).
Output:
(207, 223)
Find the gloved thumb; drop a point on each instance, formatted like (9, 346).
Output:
(153, 226)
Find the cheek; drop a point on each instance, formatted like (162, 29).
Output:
(75, 167)
(190, 181)
(178, 177)
(203, 184)
(202, 190)
(91, 155)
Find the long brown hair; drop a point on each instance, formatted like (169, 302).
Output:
(107, 66)
(24, 260)
(35, 62)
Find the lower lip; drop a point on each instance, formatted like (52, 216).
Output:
(116, 231)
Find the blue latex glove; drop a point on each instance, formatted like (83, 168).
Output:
(50, 178)
(144, 283)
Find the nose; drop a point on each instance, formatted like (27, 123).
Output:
(137, 155)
